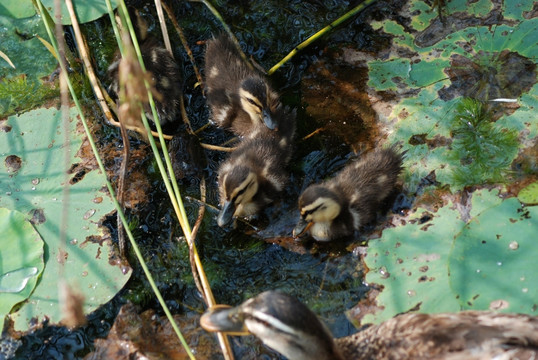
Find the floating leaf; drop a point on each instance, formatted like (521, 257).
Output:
(493, 264)
(529, 195)
(411, 263)
(432, 64)
(86, 10)
(436, 263)
(21, 86)
(36, 189)
(17, 8)
(21, 259)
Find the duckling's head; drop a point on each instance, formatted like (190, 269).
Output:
(257, 99)
(238, 185)
(282, 322)
(318, 205)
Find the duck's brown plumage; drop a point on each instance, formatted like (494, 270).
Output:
(341, 205)
(239, 97)
(288, 326)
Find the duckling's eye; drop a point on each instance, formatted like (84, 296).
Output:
(308, 212)
(252, 101)
(241, 192)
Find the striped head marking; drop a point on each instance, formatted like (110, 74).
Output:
(319, 204)
(240, 186)
(254, 96)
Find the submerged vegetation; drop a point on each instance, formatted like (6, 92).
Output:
(18, 94)
(484, 149)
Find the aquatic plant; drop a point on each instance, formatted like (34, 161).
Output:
(484, 150)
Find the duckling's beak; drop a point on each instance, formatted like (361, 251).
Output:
(301, 228)
(226, 214)
(224, 318)
(268, 120)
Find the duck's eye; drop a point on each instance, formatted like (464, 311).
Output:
(252, 101)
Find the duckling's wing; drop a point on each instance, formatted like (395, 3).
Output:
(224, 67)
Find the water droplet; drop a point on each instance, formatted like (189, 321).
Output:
(499, 263)
(477, 270)
(8, 193)
(15, 281)
(35, 181)
(384, 273)
(89, 214)
(33, 187)
(54, 199)
(514, 245)
(525, 290)
(74, 242)
(411, 292)
(84, 273)
(498, 304)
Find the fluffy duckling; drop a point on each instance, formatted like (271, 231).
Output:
(254, 174)
(286, 325)
(239, 97)
(167, 78)
(337, 207)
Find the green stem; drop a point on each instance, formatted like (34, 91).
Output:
(112, 194)
(320, 33)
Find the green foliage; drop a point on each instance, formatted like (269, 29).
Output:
(37, 189)
(437, 263)
(529, 195)
(429, 70)
(21, 260)
(17, 8)
(86, 10)
(483, 149)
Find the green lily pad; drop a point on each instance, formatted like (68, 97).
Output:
(437, 263)
(86, 10)
(24, 86)
(410, 262)
(432, 65)
(32, 180)
(21, 259)
(17, 9)
(529, 195)
(493, 264)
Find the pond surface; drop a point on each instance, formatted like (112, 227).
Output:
(335, 122)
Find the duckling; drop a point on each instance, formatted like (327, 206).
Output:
(254, 175)
(167, 78)
(239, 97)
(286, 325)
(348, 201)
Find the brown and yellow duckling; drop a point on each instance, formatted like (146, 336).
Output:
(341, 205)
(167, 79)
(255, 173)
(239, 97)
(286, 325)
